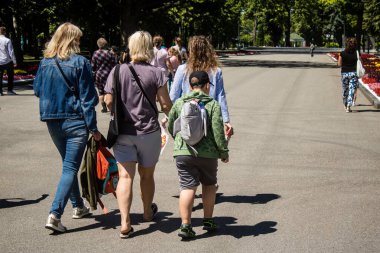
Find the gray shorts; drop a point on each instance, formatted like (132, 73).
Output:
(195, 170)
(143, 149)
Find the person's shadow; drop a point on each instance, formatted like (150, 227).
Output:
(261, 198)
(14, 202)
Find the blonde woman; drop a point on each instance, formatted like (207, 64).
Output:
(202, 57)
(67, 105)
(139, 143)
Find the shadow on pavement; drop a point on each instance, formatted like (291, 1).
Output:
(240, 231)
(368, 110)
(14, 202)
(276, 64)
(262, 198)
(168, 225)
(164, 223)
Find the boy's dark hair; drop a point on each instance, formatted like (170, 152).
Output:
(198, 79)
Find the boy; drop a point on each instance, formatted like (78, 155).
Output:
(201, 167)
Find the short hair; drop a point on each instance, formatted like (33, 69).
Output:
(102, 43)
(3, 30)
(157, 40)
(64, 42)
(140, 46)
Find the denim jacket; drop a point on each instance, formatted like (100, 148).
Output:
(56, 100)
(181, 87)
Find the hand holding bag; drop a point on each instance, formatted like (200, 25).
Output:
(360, 71)
(116, 110)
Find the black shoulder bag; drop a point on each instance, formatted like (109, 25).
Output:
(141, 88)
(116, 110)
(68, 83)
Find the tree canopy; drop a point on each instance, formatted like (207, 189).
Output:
(228, 23)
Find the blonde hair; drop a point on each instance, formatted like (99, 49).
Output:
(140, 46)
(64, 42)
(202, 56)
(102, 43)
(174, 52)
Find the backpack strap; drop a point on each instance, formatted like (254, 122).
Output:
(138, 81)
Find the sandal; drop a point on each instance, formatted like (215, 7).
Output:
(125, 234)
(154, 208)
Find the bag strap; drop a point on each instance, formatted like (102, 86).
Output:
(357, 55)
(68, 83)
(116, 98)
(141, 88)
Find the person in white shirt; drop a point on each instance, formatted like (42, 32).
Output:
(7, 61)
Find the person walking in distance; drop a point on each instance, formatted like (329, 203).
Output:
(312, 48)
(67, 95)
(102, 62)
(347, 61)
(7, 61)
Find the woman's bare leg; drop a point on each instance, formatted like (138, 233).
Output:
(124, 192)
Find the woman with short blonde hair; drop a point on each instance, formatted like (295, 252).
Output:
(139, 142)
(140, 47)
(68, 98)
(64, 42)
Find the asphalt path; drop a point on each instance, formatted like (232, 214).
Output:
(304, 176)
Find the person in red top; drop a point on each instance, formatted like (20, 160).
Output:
(102, 62)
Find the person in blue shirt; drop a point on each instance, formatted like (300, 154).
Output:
(67, 105)
(202, 57)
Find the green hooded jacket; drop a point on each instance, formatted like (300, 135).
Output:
(214, 145)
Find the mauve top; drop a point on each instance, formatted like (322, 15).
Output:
(139, 116)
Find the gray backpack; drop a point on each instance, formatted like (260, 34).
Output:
(192, 123)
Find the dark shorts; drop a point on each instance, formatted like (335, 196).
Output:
(195, 170)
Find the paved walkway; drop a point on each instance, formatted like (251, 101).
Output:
(304, 176)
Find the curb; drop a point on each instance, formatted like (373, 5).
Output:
(369, 94)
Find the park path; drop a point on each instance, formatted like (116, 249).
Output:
(304, 175)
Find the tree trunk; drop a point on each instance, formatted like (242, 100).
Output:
(287, 29)
(128, 19)
(359, 26)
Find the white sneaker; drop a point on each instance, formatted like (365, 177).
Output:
(55, 224)
(80, 212)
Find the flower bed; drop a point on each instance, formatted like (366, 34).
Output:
(24, 75)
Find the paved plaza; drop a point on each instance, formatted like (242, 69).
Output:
(304, 176)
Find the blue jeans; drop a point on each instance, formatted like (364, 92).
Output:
(70, 137)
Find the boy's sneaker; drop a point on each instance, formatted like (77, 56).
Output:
(80, 212)
(186, 231)
(209, 225)
(55, 224)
